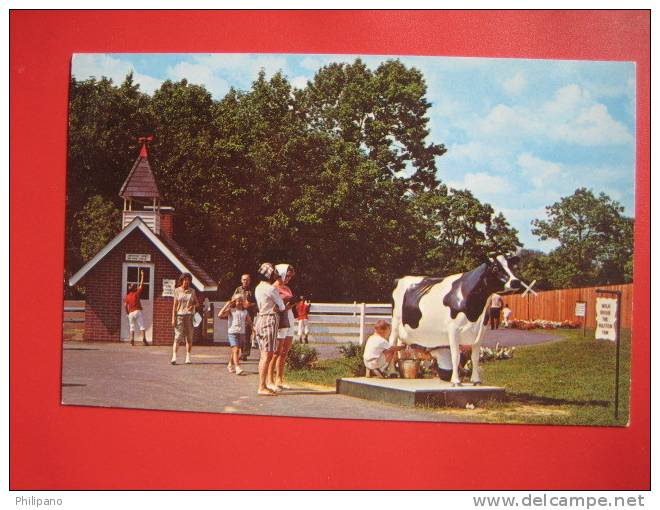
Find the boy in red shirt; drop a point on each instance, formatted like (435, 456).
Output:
(302, 313)
(134, 309)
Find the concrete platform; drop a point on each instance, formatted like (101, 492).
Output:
(417, 392)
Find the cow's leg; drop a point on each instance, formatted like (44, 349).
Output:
(476, 349)
(394, 333)
(455, 354)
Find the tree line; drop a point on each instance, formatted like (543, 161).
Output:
(336, 178)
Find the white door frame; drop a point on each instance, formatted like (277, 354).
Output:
(147, 307)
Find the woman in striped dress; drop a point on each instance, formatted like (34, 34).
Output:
(269, 304)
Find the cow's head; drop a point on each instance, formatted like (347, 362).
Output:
(500, 274)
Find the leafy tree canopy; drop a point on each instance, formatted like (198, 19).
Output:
(336, 178)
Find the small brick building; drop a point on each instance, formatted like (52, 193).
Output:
(146, 242)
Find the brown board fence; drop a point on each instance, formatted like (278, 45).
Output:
(559, 305)
(73, 322)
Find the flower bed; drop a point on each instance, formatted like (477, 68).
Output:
(543, 324)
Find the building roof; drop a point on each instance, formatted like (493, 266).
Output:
(166, 245)
(140, 182)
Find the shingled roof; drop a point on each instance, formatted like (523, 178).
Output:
(170, 249)
(140, 182)
(188, 261)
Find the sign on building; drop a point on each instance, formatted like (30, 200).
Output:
(138, 257)
(168, 287)
(606, 312)
(580, 309)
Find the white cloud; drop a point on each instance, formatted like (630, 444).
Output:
(482, 184)
(515, 84)
(299, 82)
(310, 63)
(565, 102)
(200, 75)
(571, 117)
(593, 126)
(541, 173)
(87, 65)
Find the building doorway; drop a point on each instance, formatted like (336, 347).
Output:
(130, 275)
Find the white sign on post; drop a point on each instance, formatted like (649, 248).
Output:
(580, 309)
(168, 287)
(138, 257)
(606, 311)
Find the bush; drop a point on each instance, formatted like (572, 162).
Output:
(301, 356)
(352, 350)
(353, 355)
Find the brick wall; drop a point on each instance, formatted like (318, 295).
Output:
(103, 305)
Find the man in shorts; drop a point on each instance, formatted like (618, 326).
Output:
(134, 309)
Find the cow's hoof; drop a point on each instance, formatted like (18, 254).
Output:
(476, 383)
(456, 384)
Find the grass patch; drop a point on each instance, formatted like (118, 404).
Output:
(325, 372)
(565, 382)
(570, 381)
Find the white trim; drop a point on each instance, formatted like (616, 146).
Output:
(139, 224)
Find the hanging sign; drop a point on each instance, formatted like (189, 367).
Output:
(168, 287)
(606, 311)
(580, 309)
(138, 257)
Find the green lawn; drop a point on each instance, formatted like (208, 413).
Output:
(568, 382)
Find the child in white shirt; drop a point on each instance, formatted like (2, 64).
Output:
(378, 353)
(237, 317)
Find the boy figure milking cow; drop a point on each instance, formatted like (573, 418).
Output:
(134, 309)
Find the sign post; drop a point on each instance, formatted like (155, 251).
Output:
(581, 311)
(608, 327)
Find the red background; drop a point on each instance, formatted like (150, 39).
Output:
(56, 447)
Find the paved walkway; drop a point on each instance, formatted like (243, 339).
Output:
(118, 375)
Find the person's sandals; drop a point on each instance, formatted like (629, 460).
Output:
(272, 388)
(239, 370)
(284, 386)
(266, 393)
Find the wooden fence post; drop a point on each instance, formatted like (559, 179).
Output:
(362, 313)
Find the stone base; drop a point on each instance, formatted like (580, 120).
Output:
(417, 392)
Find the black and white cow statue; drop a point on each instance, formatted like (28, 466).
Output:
(436, 313)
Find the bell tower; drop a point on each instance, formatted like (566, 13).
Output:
(140, 192)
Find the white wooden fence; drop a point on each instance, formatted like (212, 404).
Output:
(328, 322)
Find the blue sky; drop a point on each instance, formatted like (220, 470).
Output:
(520, 133)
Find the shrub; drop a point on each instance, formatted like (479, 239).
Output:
(301, 356)
(351, 350)
(353, 355)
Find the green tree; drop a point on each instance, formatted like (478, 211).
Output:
(98, 222)
(535, 265)
(457, 232)
(104, 123)
(595, 239)
(383, 111)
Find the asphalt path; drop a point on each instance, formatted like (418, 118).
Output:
(118, 375)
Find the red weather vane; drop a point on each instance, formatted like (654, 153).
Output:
(145, 139)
